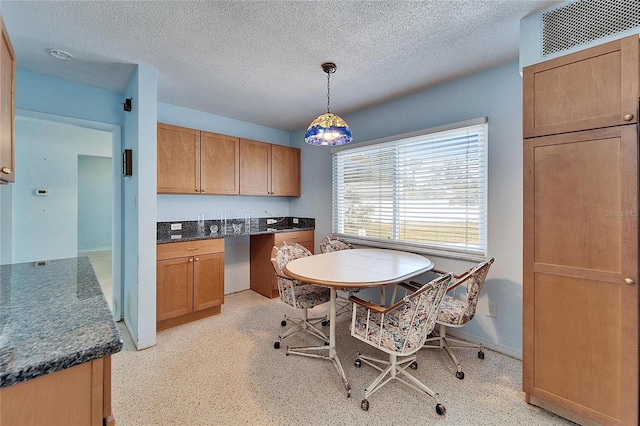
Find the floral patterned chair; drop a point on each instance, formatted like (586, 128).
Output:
(297, 294)
(327, 245)
(457, 311)
(399, 330)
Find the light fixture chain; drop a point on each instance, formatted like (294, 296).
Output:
(328, 91)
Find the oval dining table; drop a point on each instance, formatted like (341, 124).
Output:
(356, 268)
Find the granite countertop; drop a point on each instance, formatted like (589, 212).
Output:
(235, 228)
(52, 317)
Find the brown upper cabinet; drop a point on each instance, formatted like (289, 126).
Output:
(268, 169)
(590, 89)
(195, 162)
(7, 77)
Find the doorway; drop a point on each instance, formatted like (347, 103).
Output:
(56, 210)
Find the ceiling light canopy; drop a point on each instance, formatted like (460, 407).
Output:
(61, 54)
(328, 129)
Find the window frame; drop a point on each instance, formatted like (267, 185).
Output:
(424, 248)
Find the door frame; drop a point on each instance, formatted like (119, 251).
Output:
(116, 166)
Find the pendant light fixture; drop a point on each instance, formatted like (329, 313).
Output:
(328, 129)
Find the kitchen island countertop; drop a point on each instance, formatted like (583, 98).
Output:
(53, 316)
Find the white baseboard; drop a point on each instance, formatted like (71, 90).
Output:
(494, 346)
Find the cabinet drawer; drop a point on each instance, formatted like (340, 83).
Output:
(189, 248)
(292, 237)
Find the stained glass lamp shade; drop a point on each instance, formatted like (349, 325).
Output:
(328, 129)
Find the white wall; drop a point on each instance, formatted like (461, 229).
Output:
(46, 152)
(496, 94)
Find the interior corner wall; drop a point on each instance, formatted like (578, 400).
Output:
(496, 94)
(139, 207)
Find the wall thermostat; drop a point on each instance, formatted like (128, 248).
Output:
(42, 191)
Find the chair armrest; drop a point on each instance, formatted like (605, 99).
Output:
(411, 285)
(367, 305)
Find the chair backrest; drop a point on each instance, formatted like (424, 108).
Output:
(474, 278)
(328, 244)
(419, 311)
(285, 253)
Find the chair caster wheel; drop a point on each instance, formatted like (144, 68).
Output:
(358, 363)
(440, 409)
(414, 365)
(480, 354)
(283, 323)
(364, 405)
(276, 345)
(325, 323)
(460, 374)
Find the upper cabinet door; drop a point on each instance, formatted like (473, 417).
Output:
(285, 167)
(178, 160)
(255, 167)
(7, 74)
(590, 89)
(220, 164)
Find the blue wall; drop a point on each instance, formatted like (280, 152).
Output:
(46, 227)
(95, 201)
(496, 94)
(186, 207)
(41, 93)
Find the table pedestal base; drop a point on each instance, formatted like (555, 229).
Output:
(331, 348)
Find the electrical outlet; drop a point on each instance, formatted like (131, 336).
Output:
(492, 312)
(176, 226)
(271, 221)
(295, 220)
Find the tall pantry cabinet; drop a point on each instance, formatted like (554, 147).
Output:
(580, 254)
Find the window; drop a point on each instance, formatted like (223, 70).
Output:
(425, 191)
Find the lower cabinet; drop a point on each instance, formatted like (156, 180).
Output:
(190, 281)
(263, 278)
(79, 395)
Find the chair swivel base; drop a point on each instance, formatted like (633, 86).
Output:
(393, 370)
(302, 324)
(449, 343)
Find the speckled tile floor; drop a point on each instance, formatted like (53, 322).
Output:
(223, 370)
(101, 262)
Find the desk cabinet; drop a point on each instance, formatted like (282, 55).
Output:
(580, 254)
(7, 76)
(263, 278)
(190, 281)
(268, 169)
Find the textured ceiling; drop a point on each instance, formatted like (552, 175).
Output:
(259, 61)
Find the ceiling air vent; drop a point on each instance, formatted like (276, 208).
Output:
(585, 21)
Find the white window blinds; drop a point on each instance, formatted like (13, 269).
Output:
(425, 190)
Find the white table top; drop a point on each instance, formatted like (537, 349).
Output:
(358, 267)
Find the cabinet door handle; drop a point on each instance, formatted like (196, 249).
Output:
(6, 170)
(192, 248)
(628, 117)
